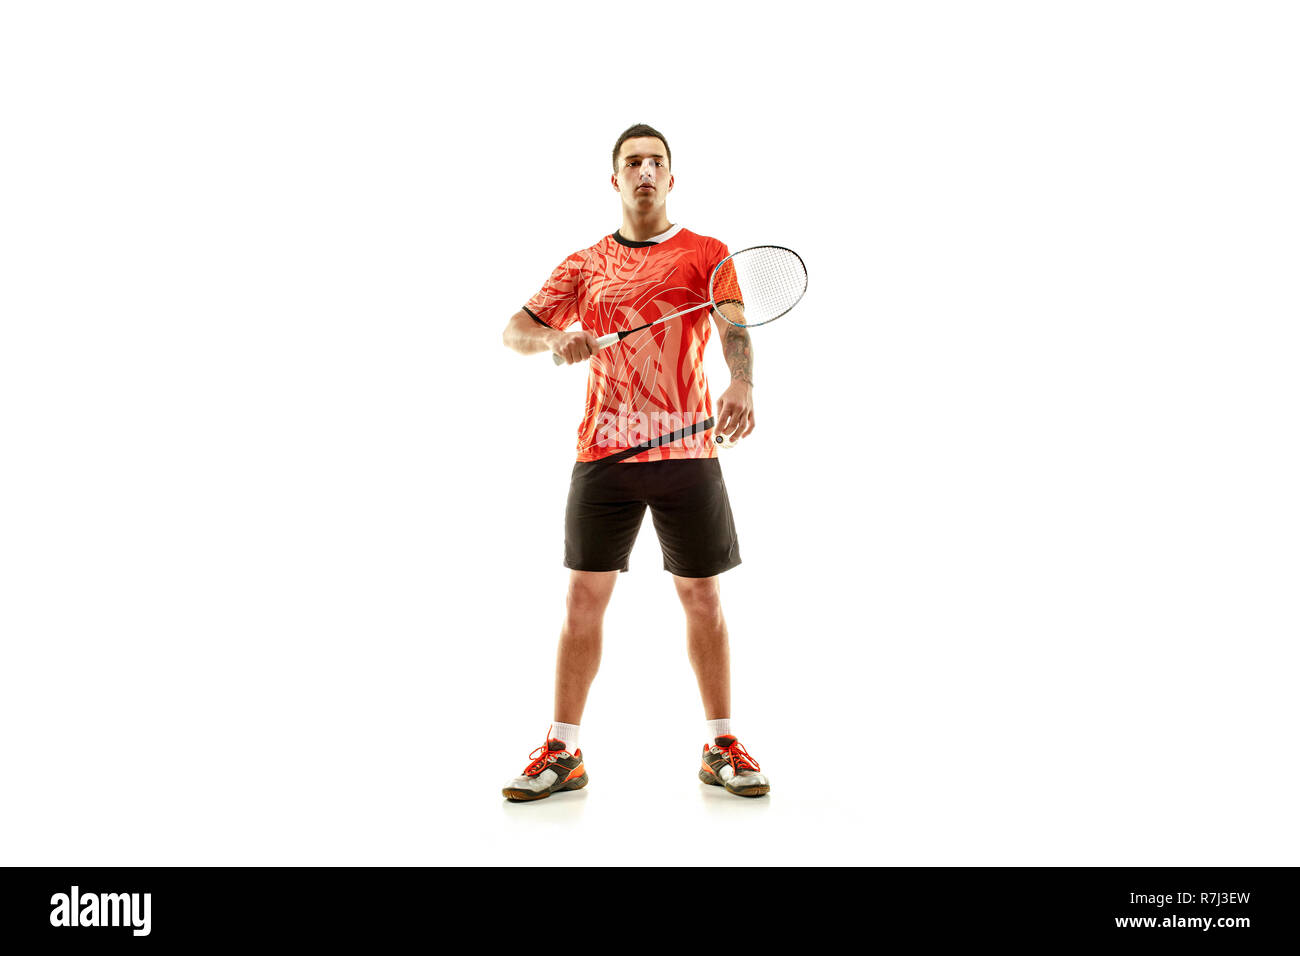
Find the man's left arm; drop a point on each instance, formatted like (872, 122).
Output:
(735, 412)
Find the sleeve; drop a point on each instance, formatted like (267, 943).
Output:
(556, 304)
(725, 284)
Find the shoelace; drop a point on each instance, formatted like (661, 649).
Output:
(547, 757)
(739, 758)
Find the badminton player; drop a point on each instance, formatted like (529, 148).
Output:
(646, 441)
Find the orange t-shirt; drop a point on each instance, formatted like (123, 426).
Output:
(652, 382)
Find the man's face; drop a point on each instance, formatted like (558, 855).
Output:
(643, 179)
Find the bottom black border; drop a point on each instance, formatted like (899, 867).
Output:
(1040, 905)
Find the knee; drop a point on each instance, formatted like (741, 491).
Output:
(700, 597)
(585, 604)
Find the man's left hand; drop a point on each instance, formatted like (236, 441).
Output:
(735, 415)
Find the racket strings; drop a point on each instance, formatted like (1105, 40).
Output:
(765, 281)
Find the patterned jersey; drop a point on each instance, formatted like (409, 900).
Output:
(652, 383)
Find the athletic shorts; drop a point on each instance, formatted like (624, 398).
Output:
(687, 500)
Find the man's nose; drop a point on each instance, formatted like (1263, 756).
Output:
(647, 170)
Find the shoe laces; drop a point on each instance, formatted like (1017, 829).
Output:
(546, 758)
(739, 758)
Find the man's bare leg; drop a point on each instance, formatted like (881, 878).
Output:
(578, 657)
(706, 643)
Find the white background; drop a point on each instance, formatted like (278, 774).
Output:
(281, 522)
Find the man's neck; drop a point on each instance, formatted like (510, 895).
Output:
(639, 228)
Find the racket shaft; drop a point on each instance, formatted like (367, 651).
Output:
(607, 340)
(672, 315)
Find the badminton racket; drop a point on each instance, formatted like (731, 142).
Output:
(751, 287)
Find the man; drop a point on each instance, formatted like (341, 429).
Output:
(646, 440)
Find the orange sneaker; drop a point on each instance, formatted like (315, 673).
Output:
(727, 764)
(552, 769)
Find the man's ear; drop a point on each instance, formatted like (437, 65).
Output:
(671, 179)
(614, 179)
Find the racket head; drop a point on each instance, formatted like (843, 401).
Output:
(758, 284)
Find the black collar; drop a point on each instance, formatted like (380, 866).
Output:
(618, 237)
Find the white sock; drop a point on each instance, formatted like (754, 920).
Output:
(716, 728)
(566, 732)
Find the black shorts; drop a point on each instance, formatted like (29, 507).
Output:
(687, 500)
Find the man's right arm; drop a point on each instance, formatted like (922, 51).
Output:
(527, 336)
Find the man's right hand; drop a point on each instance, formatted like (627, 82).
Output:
(576, 346)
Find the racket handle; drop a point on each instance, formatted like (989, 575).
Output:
(602, 342)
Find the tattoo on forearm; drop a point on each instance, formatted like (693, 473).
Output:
(740, 356)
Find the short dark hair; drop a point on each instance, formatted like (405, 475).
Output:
(641, 129)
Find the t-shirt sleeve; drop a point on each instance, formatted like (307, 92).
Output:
(726, 286)
(556, 303)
